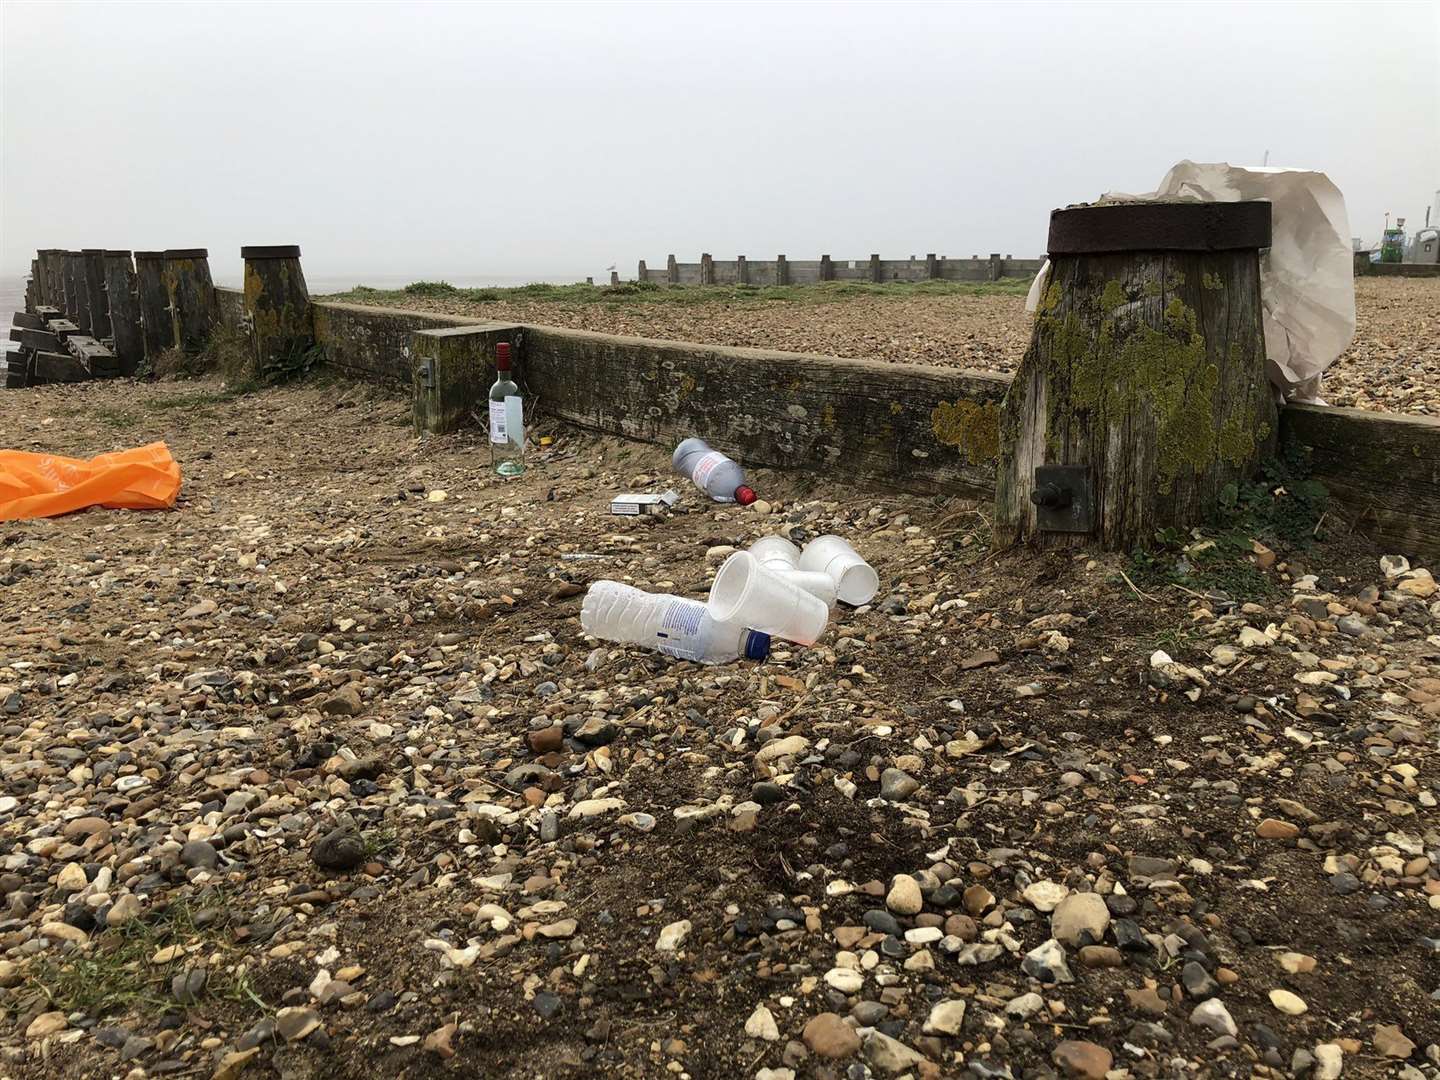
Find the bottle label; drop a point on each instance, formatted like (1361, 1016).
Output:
(678, 632)
(497, 422)
(515, 420)
(707, 465)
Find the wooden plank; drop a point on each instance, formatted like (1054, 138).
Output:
(1383, 468)
(48, 314)
(16, 365)
(99, 361)
(59, 367)
(42, 340)
(27, 320)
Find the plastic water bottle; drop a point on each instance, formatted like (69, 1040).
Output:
(713, 472)
(673, 625)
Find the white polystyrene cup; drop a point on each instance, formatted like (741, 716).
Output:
(817, 584)
(744, 593)
(855, 580)
(776, 553)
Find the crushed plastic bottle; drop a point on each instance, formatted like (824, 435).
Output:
(713, 473)
(673, 625)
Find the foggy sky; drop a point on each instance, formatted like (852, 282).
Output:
(556, 139)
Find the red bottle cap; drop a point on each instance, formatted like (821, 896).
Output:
(744, 495)
(502, 356)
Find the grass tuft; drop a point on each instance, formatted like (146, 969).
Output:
(114, 974)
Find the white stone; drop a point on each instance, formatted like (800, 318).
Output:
(1045, 895)
(846, 980)
(1024, 1006)
(1329, 1061)
(761, 1025)
(924, 935)
(672, 935)
(946, 1018)
(587, 808)
(1213, 1015)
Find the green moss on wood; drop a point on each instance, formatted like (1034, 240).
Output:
(1113, 297)
(1121, 369)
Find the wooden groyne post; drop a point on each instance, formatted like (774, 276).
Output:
(277, 304)
(1143, 392)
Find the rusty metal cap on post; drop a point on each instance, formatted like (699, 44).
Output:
(1159, 226)
(186, 253)
(277, 251)
(117, 254)
(92, 251)
(149, 255)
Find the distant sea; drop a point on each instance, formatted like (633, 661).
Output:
(12, 299)
(12, 288)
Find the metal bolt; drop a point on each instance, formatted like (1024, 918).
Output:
(1050, 496)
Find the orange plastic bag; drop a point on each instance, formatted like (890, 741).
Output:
(46, 485)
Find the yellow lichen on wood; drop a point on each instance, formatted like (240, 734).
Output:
(1119, 368)
(971, 427)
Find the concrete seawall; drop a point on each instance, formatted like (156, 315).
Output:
(916, 428)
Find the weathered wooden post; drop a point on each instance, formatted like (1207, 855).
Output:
(1143, 392)
(191, 293)
(129, 347)
(50, 295)
(94, 263)
(157, 327)
(277, 304)
(76, 301)
(55, 258)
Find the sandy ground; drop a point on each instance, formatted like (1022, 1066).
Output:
(316, 776)
(1393, 364)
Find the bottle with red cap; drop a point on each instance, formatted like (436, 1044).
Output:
(713, 472)
(507, 418)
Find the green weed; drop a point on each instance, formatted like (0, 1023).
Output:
(115, 973)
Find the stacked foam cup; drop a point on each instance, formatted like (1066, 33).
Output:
(780, 590)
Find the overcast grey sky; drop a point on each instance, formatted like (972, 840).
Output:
(554, 139)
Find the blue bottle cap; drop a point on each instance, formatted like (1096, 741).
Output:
(757, 645)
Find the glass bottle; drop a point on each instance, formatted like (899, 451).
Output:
(507, 418)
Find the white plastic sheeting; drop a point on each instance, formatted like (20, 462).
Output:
(1307, 288)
